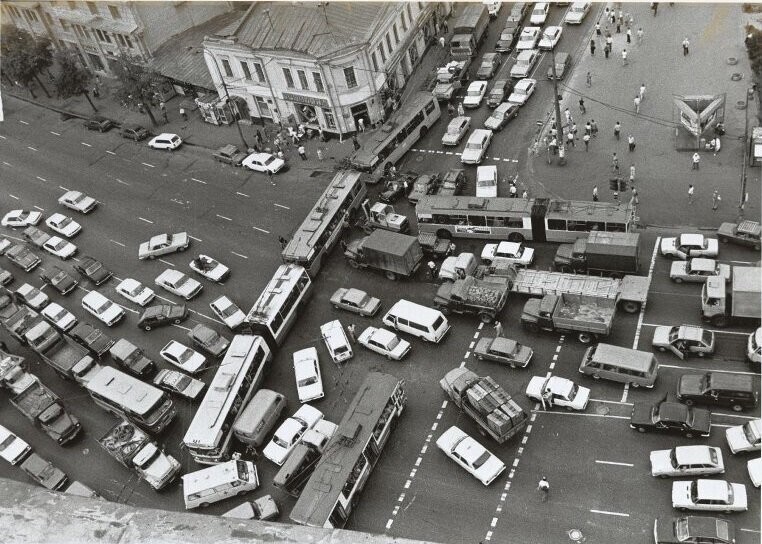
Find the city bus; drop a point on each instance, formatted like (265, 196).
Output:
(519, 219)
(238, 377)
(388, 144)
(275, 310)
(144, 405)
(334, 488)
(323, 225)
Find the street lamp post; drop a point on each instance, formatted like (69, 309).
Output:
(227, 96)
(559, 130)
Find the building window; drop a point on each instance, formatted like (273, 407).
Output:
(381, 51)
(128, 41)
(72, 5)
(402, 20)
(389, 44)
(349, 75)
(92, 7)
(31, 16)
(48, 18)
(374, 61)
(114, 11)
(103, 36)
(226, 67)
(330, 120)
(396, 34)
(289, 78)
(318, 82)
(14, 11)
(409, 13)
(65, 25)
(259, 71)
(303, 80)
(246, 71)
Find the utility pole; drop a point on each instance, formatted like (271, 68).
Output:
(230, 106)
(559, 130)
(742, 196)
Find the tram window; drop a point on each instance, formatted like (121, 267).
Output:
(556, 224)
(477, 220)
(514, 222)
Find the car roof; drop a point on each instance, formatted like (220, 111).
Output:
(704, 526)
(715, 490)
(693, 455)
(509, 247)
(749, 227)
(166, 136)
(175, 347)
(691, 239)
(503, 107)
(94, 297)
(526, 54)
(707, 265)
(673, 411)
(171, 274)
(354, 295)
(503, 344)
(524, 84)
(690, 332)
(383, 336)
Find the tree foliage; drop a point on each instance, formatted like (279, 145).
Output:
(24, 58)
(73, 79)
(138, 84)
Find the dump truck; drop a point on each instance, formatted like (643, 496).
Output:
(469, 30)
(135, 450)
(496, 413)
(434, 246)
(382, 216)
(12, 372)
(608, 253)
(59, 351)
(43, 408)
(450, 78)
(589, 317)
(735, 302)
(472, 296)
(397, 255)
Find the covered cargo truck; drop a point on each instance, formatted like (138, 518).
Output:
(588, 316)
(469, 30)
(609, 253)
(43, 408)
(59, 351)
(450, 78)
(396, 255)
(472, 296)
(737, 301)
(496, 413)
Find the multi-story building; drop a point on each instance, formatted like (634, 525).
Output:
(325, 64)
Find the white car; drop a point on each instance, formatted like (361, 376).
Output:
(746, 437)
(291, 432)
(698, 270)
(475, 94)
(12, 448)
(78, 201)
(539, 13)
(576, 13)
(136, 292)
(469, 454)
(63, 225)
(525, 61)
(166, 141)
(178, 283)
(183, 357)
(32, 297)
(384, 342)
(320, 434)
(508, 253)
(689, 245)
(754, 466)
(528, 38)
(105, 310)
(309, 383)
(709, 495)
(210, 268)
(523, 90)
(228, 312)
(557, 391)
(550, 37)
(59, 247)
(476, 146)
(263, 162)
(456, 130)
(687, 461)
(21, 218)
(59, 317)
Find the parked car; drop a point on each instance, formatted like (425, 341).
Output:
(175, 381)
(162, 314)
(44, 473)
(550, 37)
(500, 89)
(518, 12)
(92, 338)
(163, 244)
(709, 495)
(694, 530)
(698, 270)
(489, 65)
(385, 343)
(508, 253)
(754, 467)
(22, 257)
(78, 201)
(93, 270)
(687, 461)
(576, 13)
(134, 291)
(178, 283)
(528, 38)
(59, 317)
(59, 279)
(475, 94)
(688, 245)
(522, 91)
(671, 417)
(229, 154)
(456, 129)
(210, 268)
(107, 311)
(503, 350)
(12, 448)
(132, 131)
(500, 117)
(166, 141)
(131, 358)
(452, 182)
(309, 383)
(59, 247)
(183, 357)
(507, 39)
(735, 391)
(208, 340)
(745, 438)
(477, 460)
(6, 277)
(684, 340)
(263, 162)
(355, 301)
(562, 64)
(539, 13)
(99, 123)
(21, 218)
(745, 233)
(262, 509)
(32, 297)
(63, 225)
(228, 312)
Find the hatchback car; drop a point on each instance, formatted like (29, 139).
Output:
(687, 461)
(694, 530)
(503, 350)
(456, 129)
(550, 38)
(469, 454)
(523, 91)
(59, 317)
(745, 438)
(162, 314)
(355, 301)
(134, 132)
(183, 357)
(59, 247)
(78, 201)
(290, 433)
(228, 312)
(166, 141)
(178, 283)
(134, 291)
(102, 308)
(229, 154)
(709, 495)
(489, 65)
(698, 270)
(475, 94)
(508, 253)
(175, 381)
(309, 383)
(208, 340)
(500, 117)
(99, 123)
(528, 38)
(44, 473)
(385, 343)
(524, 63)
(92, 338)
(21, 218)
(263, 162)
(688, 245)
(476, 146)
(32, 297)
(63, 225)
(59, 279)
(684, 340)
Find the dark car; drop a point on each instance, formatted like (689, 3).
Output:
(229, 154)
(44, 473)
(507, 39)
(6, 277)
(208, 340)
(498, 92)
(93, 270)
(59, 279)
(133, 132)
(91, 338)
(132, 358)
(162, 314)
(745, 233)
(518, 11)
(426, 184)
(99, 123)
(671, 417)
(488, 67)
(735, 391)
(452, 182)
(393, 191)
(694, 530)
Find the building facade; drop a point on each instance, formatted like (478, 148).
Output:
(323, 65)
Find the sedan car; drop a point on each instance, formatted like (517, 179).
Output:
(175, 381)
(476, 146)
(687, 461)
(309, 383)
(59, 279)
(78, 201)
(508, 253)
(684, 340)
(162, 314)
(523, 90)
(178, 283)
(452, 182)
(32, 297)
(503, 350)
(228, 312)
(745, 438)
(475, 94)
(44, 473)
(184, 357)
(745, 233)
(384, 342)
(263, 162)
(99, 123)
(688, 245)
(12, 448)
(21, 218)
(709, 495)
(550, 37)
(456, 130)
(262, 509)
(556, 391)
(22, 257)
(134, 291)
(671, 417)
(507, 38)
(489, 65)
(539, 13)
(355, 301)
(518, 11)
(229, 154)
(698, 270)
(694, 530)
(93, 270)
(528, 38)
(163, 244)
(59, 247)
(59, 317)
(63, 225)
(92, 338)
(208, 340)
(500, 117)
(132, 131)
(500, 89)
(6, 277)
(290, 433)
(754, 467)
(210, 268)
(469, 454)
(166, 141)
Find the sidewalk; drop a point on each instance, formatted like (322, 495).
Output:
(662, 173)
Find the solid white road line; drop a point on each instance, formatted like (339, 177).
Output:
(14, 197)
(716, 331)
(239, 255)
(223, 217)
(167, 263)
(146, 220)
(110, 152)
(41, 179)
(680, 367)
(616, 463)
(620, 514)
(86, 144)
(242, 194)
(148, 165)
(23, 122)
(261, 230)
(117, 243)
(194, 238)
(198, 180)
(56, 133)
(281, 206)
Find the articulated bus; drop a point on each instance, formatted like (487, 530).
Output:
(321, 229)
(239, 376)
(518, 219)
(395, 138)
(334, 488)
(275, 310)
(144, 405)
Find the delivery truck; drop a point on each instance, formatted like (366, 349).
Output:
(469, 30)
(43, 408)
(472, 296)
(59, 351)
(396, 255)
(450, 78)
(589, 317)
(607, 253)
(738, 301)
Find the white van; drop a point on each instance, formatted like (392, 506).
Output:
(426, 323)
(218, 482)
(336, 341)
(486, 181)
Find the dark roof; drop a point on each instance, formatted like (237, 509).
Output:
(316, 29)
(181, 57)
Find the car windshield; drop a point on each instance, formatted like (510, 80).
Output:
(522, 62)
(7, 442)
(228, 311)
(93, 268)
(307, 381)
(182, 383)
(474, 92)
(269, 160)
(527, 37)
(280, 442)
(24, 215)
(135, 291)
(77, 199)
(393, 343)
(453, 129)
(474, 145)
(103, 307)
(750, 432)
(483, 458)
(681, 529)
(64, 222)
(58, 244)
(185, 355)
(59, 277)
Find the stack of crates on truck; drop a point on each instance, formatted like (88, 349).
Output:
(493, 402)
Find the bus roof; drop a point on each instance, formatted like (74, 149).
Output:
(435, 204)
(343, 450)
(275, 293)
(579, 210)
(126, 390)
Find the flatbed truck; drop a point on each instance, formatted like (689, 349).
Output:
(43, 408)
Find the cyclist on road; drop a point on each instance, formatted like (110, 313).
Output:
(544, 488)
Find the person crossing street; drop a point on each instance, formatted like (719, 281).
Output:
(544, 488)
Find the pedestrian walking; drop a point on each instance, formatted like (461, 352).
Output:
(629, 36)
(432, 269)
(639, 34)
(282, 242)
(302, 152)
(655, 7)
(319, 154)
(589, 79)
(592, 47)
(631, 142)
(162, 106)
(716, 199)
(498, 328)
(588, 129)
(570, 139)
(606, 50)
(696, 160)
(554, 146)
(614, 162)
(451, 109)
(574, 128)
(598, 28)
(630, 21)
(636, 101)
(624, 57)
(632, 173)
(619, 16)
(593, 128)
(691, 193)
(355, 143)
(445, 27)
(618, 27)
(164, 116)
(616, 195)
(617, 129)
(642, 92)
(686, 45)
(612, 18)
(525, 194)
(582, 105)
(351, 331)
(461, 111)
(183, 114)
(270, 177)
(595, 193)
(361, 124)
(586, 139)
(441, 41)
(513, 190)
(568, 116)
(544, 488)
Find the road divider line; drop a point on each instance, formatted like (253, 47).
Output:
(199, 181)
(122, 182)
(580, 414)
(86, 144)
(117, 243)
(110, 152)
(740, 372)
(281, 206)
(242, 194)
(148, 165)
(607, 513)
(167, 263)
(56, 133)
(213, 320)
(13, 196)
(239, 255)
(41, 179)
(223, 217)
(146, 220)
(41, 209)
(23, 122)
(261, 230)
(749, 530)
(614, 463)
(7, 163)
(62, 188)
(194, 238)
